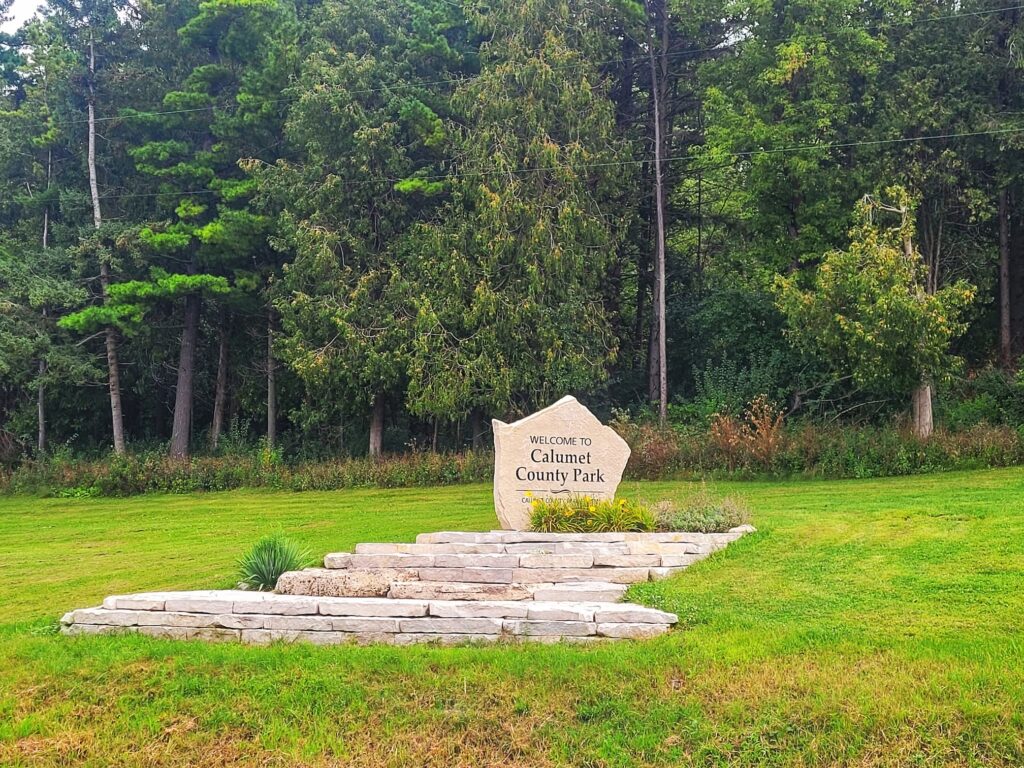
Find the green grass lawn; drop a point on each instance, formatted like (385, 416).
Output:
(867, 623)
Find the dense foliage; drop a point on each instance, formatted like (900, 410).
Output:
(343, 228)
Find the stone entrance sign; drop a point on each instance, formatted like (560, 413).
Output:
(559, 452)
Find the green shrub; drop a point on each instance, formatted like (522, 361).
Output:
(263, 564)
(702, 513)
(981, 409)
(582, 514)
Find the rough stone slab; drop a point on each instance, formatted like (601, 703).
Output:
(741, 529)
(257, 636)
(337, 560)
(281, 605)
(268, 636)
(105, 617)
(430, 549)
(660, 574)
(632, 631)
(365, 625)
(661, 548)
(416, 638)
(560, 575)
(475, 575)
(630, 613)
(550, 628)
(213, 635)
(451, 626)
(680, 561)
(605, 547)
(459, 537)
(540, 537)
(476, 561)
(95, 629)
(668, 536)
(526, 537)
(387, 548)
(301, 623)
(563, 639)
(328, 582)
(371, 606)
(531, 548)
(168, 633)
(198, 620)
(587, 592)
(627, 561)
(481, 609)
(560, 611)
(368, 562)
(141, 602)
(198, 604)
(439, 590)
(576, 560)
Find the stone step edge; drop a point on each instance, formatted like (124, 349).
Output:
(560, 620)
(145, 607)
(522, 537)
(342, 561)
(602, 633)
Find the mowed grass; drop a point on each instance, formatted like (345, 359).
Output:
(867, 623)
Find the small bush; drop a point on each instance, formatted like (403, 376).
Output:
(654, 450)
(263, 564)
(702, 513)
(581, 514)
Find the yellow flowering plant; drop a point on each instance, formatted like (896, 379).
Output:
(583, 514)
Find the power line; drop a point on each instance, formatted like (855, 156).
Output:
(633, 161)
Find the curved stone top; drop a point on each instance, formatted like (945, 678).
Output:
(560, 451)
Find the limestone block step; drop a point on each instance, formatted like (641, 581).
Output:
(563, 575)
(342, 583)
(448, 587)
(583, 591)
(440, 590)
(232, 615)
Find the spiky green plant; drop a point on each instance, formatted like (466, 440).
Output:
(268, 558)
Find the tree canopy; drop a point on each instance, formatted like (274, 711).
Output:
(359, 226)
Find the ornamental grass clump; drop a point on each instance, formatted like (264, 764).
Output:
(582, 514)
(702, 513)
(269, 557)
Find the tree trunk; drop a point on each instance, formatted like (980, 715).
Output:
(377, 427)
(40, 388)
(181, 429)
(658, 328)
(921, 398)
(271, 383)
(921, 404)
(113, 366)
(476, 427)
(220, 396)
(41, 409)
(1005, 336)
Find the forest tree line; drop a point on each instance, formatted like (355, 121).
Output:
(306, 221)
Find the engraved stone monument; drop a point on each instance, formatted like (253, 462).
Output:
(559, 452)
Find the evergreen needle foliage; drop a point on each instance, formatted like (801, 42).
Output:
(269, 557)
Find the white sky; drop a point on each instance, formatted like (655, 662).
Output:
(21, 10)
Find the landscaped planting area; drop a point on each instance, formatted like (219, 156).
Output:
(866, 623)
